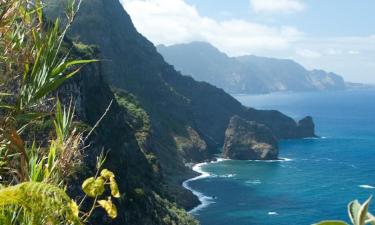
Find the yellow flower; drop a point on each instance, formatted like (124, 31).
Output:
(74, 207)
(107, 174)
(92, 187)
(109, 207)
(114, 188)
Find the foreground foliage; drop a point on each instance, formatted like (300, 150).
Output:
(358, 214)
(33, 172)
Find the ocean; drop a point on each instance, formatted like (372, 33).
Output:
(315, 179)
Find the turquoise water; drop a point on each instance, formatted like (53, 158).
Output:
(320, 177)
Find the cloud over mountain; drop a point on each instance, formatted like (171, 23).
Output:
(277, 6)
(175, 21)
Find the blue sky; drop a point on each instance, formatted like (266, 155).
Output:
(320, 17)
(334, 35)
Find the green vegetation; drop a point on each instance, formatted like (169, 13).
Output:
(140, 120)
(358, 214)
(33, 172)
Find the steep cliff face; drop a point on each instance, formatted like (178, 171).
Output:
(326, 81)
(305, 126)
(246, 74)
(246, 140)
(144, 200)
(174, 102)
(187, 119)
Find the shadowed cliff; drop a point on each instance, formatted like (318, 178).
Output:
(180, 120)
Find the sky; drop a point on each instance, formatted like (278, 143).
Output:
(334, 35)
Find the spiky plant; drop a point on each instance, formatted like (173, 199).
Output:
(32, 173)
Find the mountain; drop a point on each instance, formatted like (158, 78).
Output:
(246, 74)
(160, 120)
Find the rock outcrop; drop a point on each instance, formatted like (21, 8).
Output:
(246, 140)
(306, 127)
(191, 145)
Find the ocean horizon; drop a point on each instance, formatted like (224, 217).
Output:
(314, 179)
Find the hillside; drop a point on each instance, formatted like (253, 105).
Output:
(246, 74)
(160, 120)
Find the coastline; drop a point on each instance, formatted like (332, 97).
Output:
(205, 201)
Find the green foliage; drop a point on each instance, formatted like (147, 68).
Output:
(36, 203)
(175, 214)
(63, 121)
(332, 222)
(358, 214)
(141, 121)
(33, 64)
(139, 192)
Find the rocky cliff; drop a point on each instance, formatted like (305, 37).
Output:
(246, 140)
(247, 74)
(143, 200)
(160, 119)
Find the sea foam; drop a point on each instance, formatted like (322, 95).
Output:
(365, 186)
(205, 200)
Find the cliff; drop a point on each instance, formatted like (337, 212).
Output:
(160, 119)
(246, 140)
(247, 74)
(121, 136)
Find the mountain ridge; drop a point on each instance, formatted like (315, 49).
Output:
(246, 74)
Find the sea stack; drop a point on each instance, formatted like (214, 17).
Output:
(306, 127)
(248, 140)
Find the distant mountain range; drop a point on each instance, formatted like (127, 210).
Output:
(247, 74)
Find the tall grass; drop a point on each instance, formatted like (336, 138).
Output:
(32, 172)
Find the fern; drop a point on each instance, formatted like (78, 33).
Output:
(37, 203)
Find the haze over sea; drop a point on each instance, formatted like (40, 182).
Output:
(320, 176)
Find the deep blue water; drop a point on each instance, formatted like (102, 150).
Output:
(322, 176)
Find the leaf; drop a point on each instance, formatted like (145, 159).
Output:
(114, 187)
(353, 209)
(93, 187)
(109, 207)
(66, 65)
(363, 212)
(26, 117)
(359, 213)
(331, 222)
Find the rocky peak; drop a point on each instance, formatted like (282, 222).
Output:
(306, 127)
(245, 140)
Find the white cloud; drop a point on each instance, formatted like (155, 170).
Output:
(353, 52)
(353, 58)
(307, 53)
(332, 51)
(174, 21)
(277, 6)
